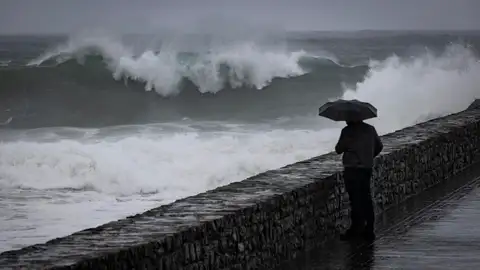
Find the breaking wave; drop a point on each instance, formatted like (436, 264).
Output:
(241, 65)
(110, 177)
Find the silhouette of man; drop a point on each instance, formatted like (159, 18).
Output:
(360, 144)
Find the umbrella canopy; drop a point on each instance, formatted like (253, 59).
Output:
(347, 110)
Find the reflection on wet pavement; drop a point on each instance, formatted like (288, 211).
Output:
(439, 229)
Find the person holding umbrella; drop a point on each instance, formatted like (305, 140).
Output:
(360, 144)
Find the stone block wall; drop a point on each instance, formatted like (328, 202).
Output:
(267, 218)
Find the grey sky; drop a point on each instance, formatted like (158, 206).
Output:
(67, 16)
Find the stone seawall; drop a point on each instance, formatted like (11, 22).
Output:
(274, 216)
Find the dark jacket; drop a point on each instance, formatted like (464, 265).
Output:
(360, 144)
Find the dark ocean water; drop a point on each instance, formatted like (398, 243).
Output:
(97, 81)
(95, 128)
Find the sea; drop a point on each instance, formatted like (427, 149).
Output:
(95, 127)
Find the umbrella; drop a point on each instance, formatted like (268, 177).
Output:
(347, 110)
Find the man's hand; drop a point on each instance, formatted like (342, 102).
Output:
(343, 143)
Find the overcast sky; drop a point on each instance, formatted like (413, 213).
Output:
(67, 16)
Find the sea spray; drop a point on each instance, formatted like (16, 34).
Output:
(243, 64)
(408, 91)
(53, 188)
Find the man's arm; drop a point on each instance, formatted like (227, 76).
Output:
(341, 144)
(378, 143)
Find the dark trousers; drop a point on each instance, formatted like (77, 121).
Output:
(357, 184)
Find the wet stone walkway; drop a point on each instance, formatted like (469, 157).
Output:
(440, 230)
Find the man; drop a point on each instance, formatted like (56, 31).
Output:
(360, 144)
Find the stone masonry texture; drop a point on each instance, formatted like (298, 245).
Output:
(267, 218)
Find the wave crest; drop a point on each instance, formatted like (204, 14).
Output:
(244, 64)
(410, 90)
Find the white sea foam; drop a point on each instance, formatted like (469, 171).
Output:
(406, 91)
(128, 175)
(234, 65)
(5, 63)
(49, 189)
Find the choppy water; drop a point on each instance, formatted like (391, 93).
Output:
(94, 128)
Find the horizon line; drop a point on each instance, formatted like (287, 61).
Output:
(287, 31)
